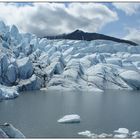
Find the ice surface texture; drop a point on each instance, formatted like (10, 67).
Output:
(30, 63)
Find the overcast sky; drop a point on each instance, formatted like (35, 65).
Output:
(116, 19)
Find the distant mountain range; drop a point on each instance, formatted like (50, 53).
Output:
(81, 35)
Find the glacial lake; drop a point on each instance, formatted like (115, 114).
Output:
(36, 113)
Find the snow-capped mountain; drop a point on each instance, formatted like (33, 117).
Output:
(29, 63)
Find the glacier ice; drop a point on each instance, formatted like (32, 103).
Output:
(85, 133)
(121, 133)
(73, 118)
(31, 63)
(132, 78)
(33, 83)
(122, 130)
(11, 131)
(8, 92)
(136, 134)
(12, 73)
(3, 134)
(25, 68)
(120, 136)
(104, 135)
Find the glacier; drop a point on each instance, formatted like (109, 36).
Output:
(28, 62)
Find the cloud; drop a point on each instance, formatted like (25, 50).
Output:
(128, 8)
(56, 18)
(133, 34)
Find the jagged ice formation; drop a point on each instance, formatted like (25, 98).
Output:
(31, 63)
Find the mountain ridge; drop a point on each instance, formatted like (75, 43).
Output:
(81, 35)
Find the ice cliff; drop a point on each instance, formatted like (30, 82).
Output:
(30, 63)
